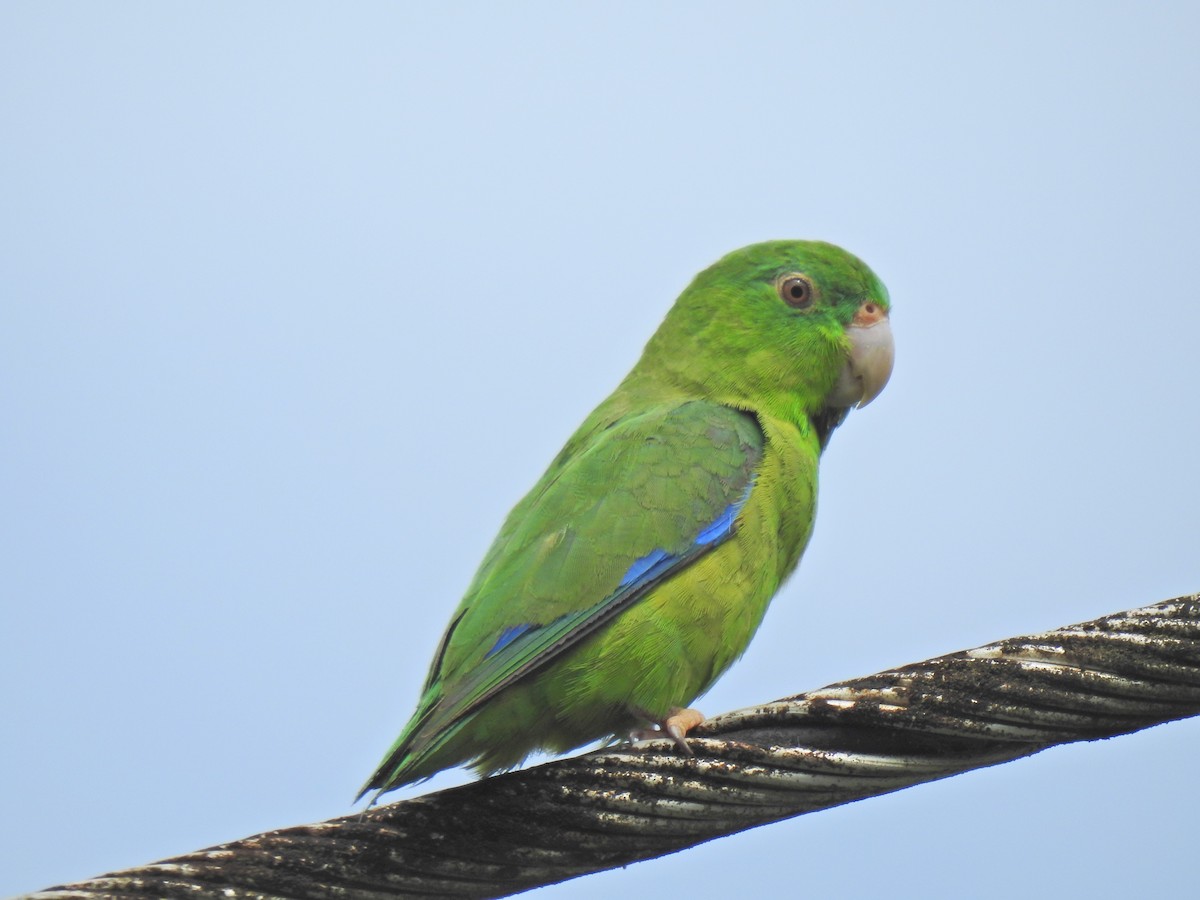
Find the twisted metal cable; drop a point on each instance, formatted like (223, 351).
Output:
(845, 742)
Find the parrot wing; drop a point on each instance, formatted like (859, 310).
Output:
(623, 509)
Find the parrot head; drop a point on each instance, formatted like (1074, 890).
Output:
(793, 327)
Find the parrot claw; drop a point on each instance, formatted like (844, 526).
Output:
(678, 723)
(675, 726)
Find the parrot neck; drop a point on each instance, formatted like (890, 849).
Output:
(825, 421)
(665, 381)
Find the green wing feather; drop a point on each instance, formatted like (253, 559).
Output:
(637, 490)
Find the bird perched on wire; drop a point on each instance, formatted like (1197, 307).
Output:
(640, 565)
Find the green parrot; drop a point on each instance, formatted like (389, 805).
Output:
(640, 565)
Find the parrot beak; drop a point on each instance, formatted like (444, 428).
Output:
(869, 365)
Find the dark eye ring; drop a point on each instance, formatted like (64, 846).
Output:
(795, 290)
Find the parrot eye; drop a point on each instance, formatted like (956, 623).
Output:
(795, 290)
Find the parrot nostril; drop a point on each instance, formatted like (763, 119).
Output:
(868, 314)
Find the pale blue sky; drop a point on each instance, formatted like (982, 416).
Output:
(299, 299)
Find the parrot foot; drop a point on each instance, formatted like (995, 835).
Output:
(675, 726)
(678, 723)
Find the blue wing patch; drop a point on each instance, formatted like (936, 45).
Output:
(507, 636)
(649, 568)
(654, 563)
(721, 526)
(643, 565)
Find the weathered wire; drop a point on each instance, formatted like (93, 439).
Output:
(845, 742)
